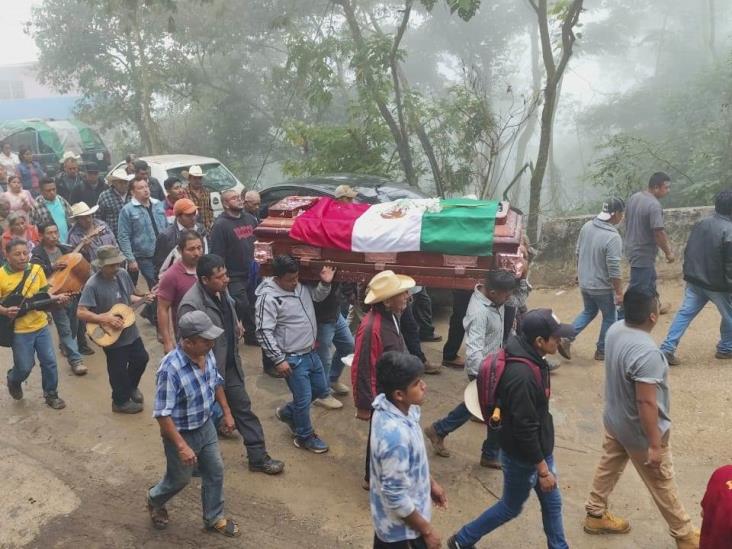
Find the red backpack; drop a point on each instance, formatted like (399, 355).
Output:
(489, 376)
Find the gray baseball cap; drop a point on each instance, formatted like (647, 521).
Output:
(197, 323)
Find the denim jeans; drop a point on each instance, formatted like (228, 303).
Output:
(643, 278)
(205, 443)
(25, 346)
(146, 268)
(306, 383)
(459, 417)
(594, 303)
(695, 298)
(334, 334)
(519, 478)
(66, 326)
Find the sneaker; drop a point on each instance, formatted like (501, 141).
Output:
(312, 444)
(78, 368)
(599, 356)
(432, 369)
(54, 401)
(458, 362)
(606, 524)
(490, 463)
(438, 442)
(565, 348)
(268, 466)
(15, 390)
(723, 356)
(286, 420)
(434, 338)
(339, 389)
(129, 407)
(329, 403)
(689, 541)
(453, 544)
(86, 350)
(136, 396)
(672, 359)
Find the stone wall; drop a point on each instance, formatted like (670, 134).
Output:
(555, 264)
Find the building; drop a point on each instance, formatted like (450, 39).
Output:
(22, 95)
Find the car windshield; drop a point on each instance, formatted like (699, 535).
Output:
(215, 176)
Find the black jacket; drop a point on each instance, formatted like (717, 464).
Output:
(39, 256)
(83, 192)
(528, 428)
(233, 239)
(167, 240)
(708, 254)
(327, 311)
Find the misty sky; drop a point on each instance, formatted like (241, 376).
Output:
(16, 46)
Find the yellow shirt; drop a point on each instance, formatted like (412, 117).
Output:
(34, 283)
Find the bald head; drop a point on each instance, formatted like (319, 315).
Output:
(231, 200)
(252, 202)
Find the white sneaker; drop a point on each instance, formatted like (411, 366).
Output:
(329, 402)
(340, 389)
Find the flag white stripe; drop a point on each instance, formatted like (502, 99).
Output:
(374, 232)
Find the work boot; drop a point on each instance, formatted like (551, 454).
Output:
(490, 463)
(78, 368)
(565, 348)
(129, 407)
(339, 389)
(689, 541)
(268, 466)
(431, 339)
(329, 403)
(136, 396)
(723, 356)
(606, 524)
(15, 389)
(438, 442)
(432, 369)
(458, 362)
(672, 359)
(599, 356)
(54, 401)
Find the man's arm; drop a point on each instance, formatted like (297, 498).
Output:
(228, 419)
(474, 343)
(217, 240)
(123, 235)
(266, 321)
(169, 432)
(613, 253)
(662, 242)
(645, 398)
(165, 324)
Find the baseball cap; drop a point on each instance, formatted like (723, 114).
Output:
(197, 323)
(544, 323)
(609, 207)
(184, 206)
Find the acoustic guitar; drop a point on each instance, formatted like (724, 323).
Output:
(105, 335)
(71, 279)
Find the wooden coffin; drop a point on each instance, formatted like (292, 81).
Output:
(428, 269)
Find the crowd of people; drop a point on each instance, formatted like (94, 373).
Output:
(204, 294)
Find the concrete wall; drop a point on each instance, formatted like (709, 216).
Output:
(555, 265)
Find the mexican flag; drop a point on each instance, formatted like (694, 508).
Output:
(458, 226)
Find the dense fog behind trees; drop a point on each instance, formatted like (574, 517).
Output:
(450, 95)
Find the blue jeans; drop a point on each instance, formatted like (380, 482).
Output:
(66, 326)
(458, 417)
(336, 334)
(643, 278)
(205, 443)
(594, 303)
(695, 298)
(306, 383)
(519, 478)
(25, 347)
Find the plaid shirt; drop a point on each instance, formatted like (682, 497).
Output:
(110, 203)
(202, 200)
(184, 392)
(40, 214)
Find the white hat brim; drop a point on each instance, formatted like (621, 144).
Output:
(90, 211)
(470, 396)
(405, 283)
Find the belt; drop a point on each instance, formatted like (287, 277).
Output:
(301, 352)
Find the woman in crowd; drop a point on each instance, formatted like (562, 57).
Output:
(18, 227)
(30, 171)
(19, 199)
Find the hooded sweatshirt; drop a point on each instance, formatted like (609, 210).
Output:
(527, 431)
(483, 323)
(599, 248)
(286, 320)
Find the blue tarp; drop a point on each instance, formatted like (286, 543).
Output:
(47, 107)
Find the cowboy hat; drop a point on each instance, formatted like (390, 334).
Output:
(81, 209)
(195, 171)
(387, 284)
(69, 155)
(120, 175)
(108, 255)
(472, 403)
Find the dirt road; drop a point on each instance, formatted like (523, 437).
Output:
(77, 478)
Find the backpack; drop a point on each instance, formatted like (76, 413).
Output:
(489, 376)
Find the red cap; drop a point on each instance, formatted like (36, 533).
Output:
(184, 206)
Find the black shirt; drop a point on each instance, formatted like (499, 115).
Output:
(233, 239)
(83, 192)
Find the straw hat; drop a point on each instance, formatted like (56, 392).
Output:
(387, 284)
(472, 402)
(81, 209)
(120, 175)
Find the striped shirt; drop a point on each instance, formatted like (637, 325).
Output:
(183, 391)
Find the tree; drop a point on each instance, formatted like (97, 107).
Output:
(566, 13)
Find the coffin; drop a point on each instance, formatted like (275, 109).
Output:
(434, 270)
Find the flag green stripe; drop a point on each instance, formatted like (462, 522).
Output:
(463, 227)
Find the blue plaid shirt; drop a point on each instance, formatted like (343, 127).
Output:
(183, 391)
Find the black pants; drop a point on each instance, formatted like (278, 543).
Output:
(410, 332)
(239, 291)
(422, 308)
(456, 332)
(125, 366)
(367, 472)
(247, 423)
(418, 543)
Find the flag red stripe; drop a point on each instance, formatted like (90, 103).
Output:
(328, 224)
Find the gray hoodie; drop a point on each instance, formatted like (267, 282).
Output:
(599, 248)
(286, 320)
(483, 325)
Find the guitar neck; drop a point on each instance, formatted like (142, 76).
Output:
(87, 238)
